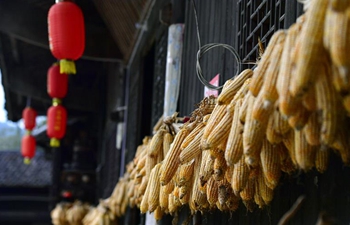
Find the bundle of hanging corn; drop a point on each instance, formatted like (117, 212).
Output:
(286, 115)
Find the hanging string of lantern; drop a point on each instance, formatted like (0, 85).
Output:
(57, 86)
(28, 144)
(66, 34)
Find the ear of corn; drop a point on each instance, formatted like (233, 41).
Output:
(271, 134)
(232, 88)
(220, 132)
(304, 153)
(153, 195)
(240, 176)
(234, 146)
(312, 130)
(185, 174)
(340, 38)
(220, 167)
(342, 144)
(156, 143)
(288, 141)
(192, 135)
(206, 168)
(259, 73)
(339, 5)
(270, 163)
(309, 100)
(214, 119)
(167, 140)
(171, 160)
(212, 191)
(321, 159)
(269, 90)
(311, 46)
(248, 191)
(243, 108)
(329, 103)
(192, 150)
(262, 109)
(265, 192)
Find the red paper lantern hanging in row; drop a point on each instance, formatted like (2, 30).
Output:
(28, 144)
(28, 147)
(66, 34)
(56, 123)
(57, 83)
(57, 86)
(29, 116)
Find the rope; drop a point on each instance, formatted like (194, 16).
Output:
(205, 48)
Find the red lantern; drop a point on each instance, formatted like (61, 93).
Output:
(66, 34)
(28, 148)
(29, 116)
(57, 83)
(56, 124)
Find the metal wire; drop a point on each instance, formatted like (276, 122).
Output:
(205, 48)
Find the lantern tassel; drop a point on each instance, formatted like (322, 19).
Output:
(26, 161)
(54, 142)
(67, 66)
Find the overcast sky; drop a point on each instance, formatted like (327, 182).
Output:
(3, 113)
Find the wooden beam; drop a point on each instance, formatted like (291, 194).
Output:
(29, 24)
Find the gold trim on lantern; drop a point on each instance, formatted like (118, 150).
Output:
(54, 142)
(67, 66)
(28, 132)
(26, 160)
(56, 101)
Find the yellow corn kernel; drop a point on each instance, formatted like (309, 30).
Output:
(240, 176)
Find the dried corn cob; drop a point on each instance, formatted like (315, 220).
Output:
(270, 94)
(329, 102)
(192, 150)
(281, 125)
(304, 153)
(253, 133)
(185, 174)
(206, 168)
(216, 116)
(265, 192)
(299, 119)
(171, 160)
(167, 140)
(248, 191)
(340, 42)
(153, 195)
(257, 195)
(270, 163)
(312, 129)
(271, 134)
(192, 135)
(229, 91)
(260, 71)
(221, 131)
(156, 144)
(158, 213)
(243, 108)
(288, 141)
(234, 146)
(262, 109)
(212, 191)
(164, 198)
(311, 47)
(240, 176)
(287, 102)
(220, 167)
(321, 159)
